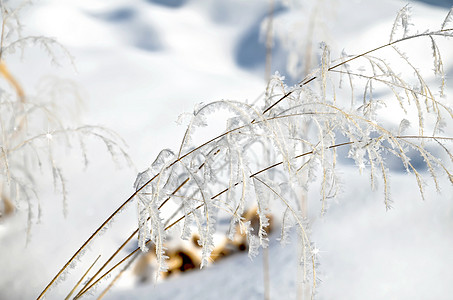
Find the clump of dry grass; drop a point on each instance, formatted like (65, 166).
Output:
(34, 127)
(298, 128)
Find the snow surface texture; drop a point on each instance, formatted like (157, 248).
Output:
(141, 64)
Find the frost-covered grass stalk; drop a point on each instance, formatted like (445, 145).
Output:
(34, 128)
(300, 128)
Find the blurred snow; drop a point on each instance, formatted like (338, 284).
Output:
(443, 3)
(143, 63)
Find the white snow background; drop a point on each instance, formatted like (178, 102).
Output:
(139, 65)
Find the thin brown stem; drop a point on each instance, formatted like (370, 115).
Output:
(92, 237)
(109, 271)
(306, 81)
(180, 219)
(106, 263)
(81, 279)
(174, 192)
(127, 241)
(251, 176)
(117, 277)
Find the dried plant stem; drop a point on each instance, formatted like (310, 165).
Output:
(81, 279)
(286, 95)
(310, 79)
(136, 251)
(118, 276)
(91, 238)
(106, 263)
(181, 218)
(10, 78)
(254, 175)
(123, 205)
(84, 289)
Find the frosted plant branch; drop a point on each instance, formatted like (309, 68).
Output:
(203, 180)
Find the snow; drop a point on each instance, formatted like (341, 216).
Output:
(140, 65)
